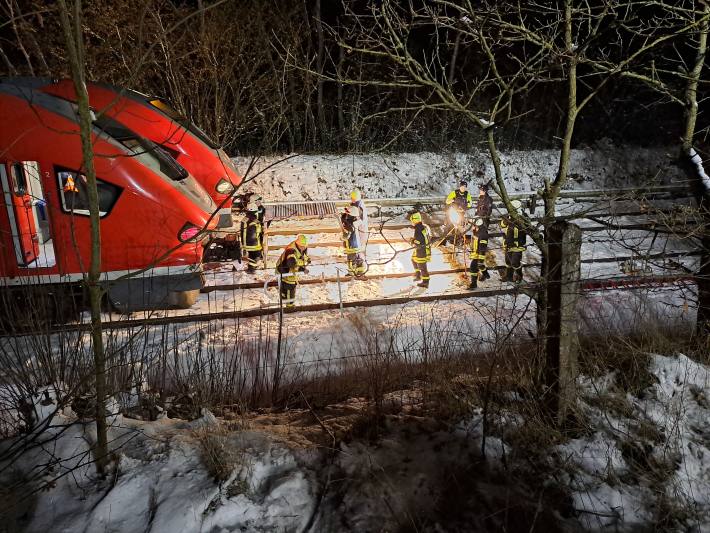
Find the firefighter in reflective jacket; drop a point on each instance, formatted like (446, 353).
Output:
(479, 245)
(251, 234)
(351, 243)
(260, 215)
(514, 238)
(294, 259)
(460, 198)
(458, 201)
(422, 249)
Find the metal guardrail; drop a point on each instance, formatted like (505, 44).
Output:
(572, 194)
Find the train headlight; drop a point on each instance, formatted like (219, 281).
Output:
(224, 186)
(187, 232)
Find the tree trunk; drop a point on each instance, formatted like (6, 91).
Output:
(75, 54)
(702, 325)
(559, 308)
(319, 67)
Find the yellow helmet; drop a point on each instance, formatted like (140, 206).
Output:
(302, 240)
(416, 218)
(355, 195)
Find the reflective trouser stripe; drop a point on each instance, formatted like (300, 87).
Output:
(477, 266)
(422, 269)
(253, 248)
(288, 294)
(421, 259)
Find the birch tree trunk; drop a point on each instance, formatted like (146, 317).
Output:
(74, 41)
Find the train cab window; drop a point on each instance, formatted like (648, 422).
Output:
(185, 122)
(146, 151)
(74, 193)
(19, 179)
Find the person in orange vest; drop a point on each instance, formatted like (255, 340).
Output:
(69, 185)
(422, 249)
(251, 233)
(293, 259)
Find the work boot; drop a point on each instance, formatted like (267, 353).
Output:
(424, 284)
(484, 275)
(473, 285)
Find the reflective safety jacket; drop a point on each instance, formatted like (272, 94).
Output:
(484, 207)
(69, 185)
(479, 244)
(251, 234)
(422, 243)
(292, 260)
(462, 200)
(513, 237)
(351, 237)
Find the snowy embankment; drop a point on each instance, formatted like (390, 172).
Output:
(647, 457)
(644, 458)
(331, 177)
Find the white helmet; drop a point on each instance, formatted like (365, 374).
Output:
(251, 206)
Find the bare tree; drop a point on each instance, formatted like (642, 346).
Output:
(73, 35)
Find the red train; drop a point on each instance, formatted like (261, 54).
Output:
(157, 121)
(152, 209)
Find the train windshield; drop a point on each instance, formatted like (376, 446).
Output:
(183, 121)
(149, 153)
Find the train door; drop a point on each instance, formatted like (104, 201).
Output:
(20, 212)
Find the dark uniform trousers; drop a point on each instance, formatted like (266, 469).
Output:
(514, 244)
(479, 245)
(252, 242)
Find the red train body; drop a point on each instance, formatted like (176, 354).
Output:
(155, 120)
(151, 209)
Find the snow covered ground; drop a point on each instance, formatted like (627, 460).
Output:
(317, 177)
(644, 462)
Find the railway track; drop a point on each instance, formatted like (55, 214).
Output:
(589, 284)
(627, 282)
(396, 275)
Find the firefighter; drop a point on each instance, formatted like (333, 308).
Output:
(357, 203)
(294, 259)
(260, 214)
(458, 201)
(260, 209)
(514, 238)
(351, 242)
(422, 249)
(484, 205)
(479, 245)
(69, 185)
(251, 234)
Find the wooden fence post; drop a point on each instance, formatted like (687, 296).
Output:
(564, 242)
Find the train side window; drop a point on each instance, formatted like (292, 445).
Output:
(74, 193)
(19, 179)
